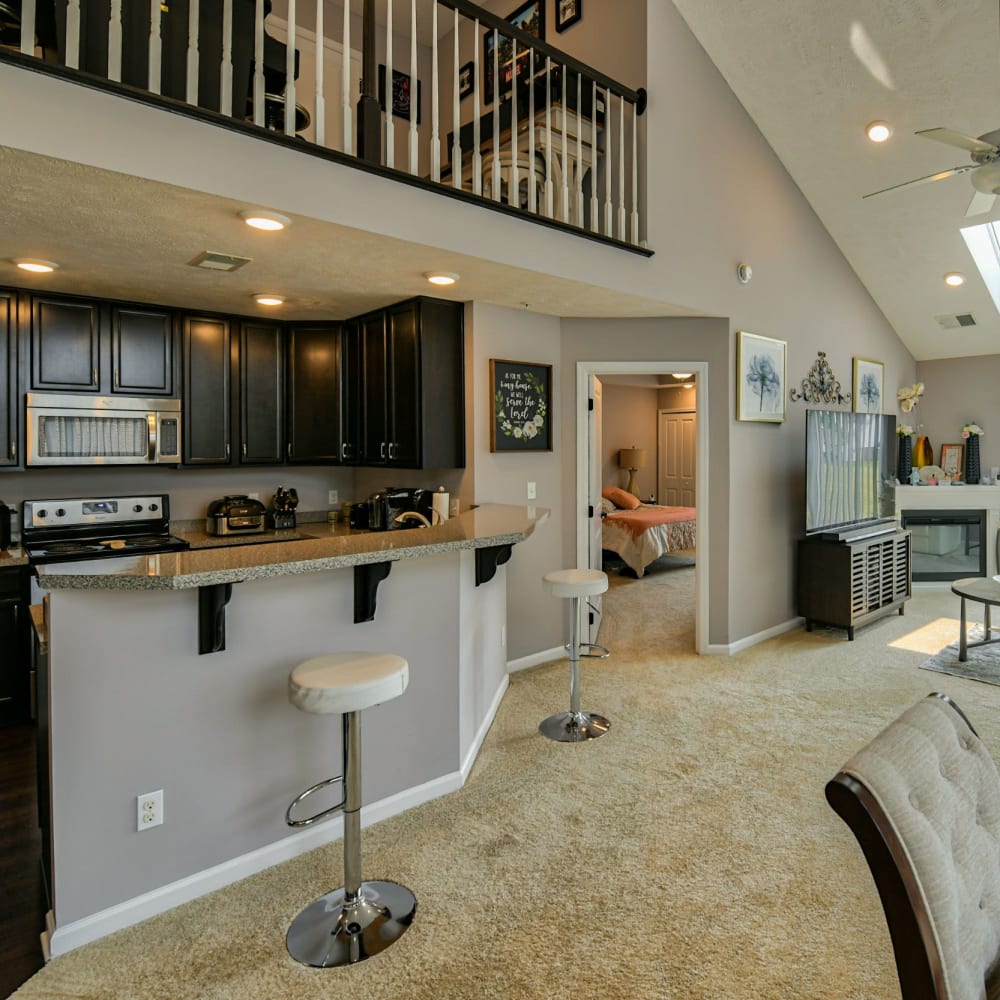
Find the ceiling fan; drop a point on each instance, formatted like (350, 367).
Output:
(985, 166)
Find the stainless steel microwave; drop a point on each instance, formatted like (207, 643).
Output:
(65, 429)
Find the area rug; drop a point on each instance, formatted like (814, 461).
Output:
(983, 663)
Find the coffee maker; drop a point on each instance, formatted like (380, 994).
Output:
(386, 506)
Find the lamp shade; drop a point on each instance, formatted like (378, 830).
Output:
(632, 458)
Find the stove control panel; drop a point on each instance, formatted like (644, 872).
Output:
(93, 511)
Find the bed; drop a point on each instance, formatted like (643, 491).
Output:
(642, 535)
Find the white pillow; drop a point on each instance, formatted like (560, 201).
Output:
(606, 506)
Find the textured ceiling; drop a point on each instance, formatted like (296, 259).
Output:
(812, 74)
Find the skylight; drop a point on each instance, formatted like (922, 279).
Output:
(983, 242)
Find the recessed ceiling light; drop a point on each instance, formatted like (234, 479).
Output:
(37, 266)
(688, 385)
(680, 376)
(269, 221)
(954, 279)
(878, 131)
(267, 299)
(441, 277)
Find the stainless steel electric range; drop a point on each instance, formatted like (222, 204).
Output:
(66, 530)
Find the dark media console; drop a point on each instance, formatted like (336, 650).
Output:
(847, 582)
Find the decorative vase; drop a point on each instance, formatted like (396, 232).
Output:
(972, 459)
(923, 454)
(904, 463)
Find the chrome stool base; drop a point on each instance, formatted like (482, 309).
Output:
(330, 932)
(574, 727)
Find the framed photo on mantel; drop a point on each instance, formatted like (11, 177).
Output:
(522, 397)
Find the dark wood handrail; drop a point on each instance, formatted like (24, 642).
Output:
(473, 12)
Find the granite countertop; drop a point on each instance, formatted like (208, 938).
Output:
(14, 556)
(317, 546)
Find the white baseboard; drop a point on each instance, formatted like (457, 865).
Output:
(131, 911)
(545, 656)
(491, 713)
(724, 649)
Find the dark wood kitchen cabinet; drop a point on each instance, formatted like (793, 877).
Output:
(8, 380)
(314, 400)
(15, 641)
(351, 394)
(260, 391)
(111, 348)
(414, 385)
(207, 349)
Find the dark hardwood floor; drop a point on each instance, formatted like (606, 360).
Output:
(22, 893)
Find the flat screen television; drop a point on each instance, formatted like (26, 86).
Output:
(849, 459)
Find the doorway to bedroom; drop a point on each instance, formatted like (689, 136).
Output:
(644, 425)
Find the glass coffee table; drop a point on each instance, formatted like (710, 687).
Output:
(983, 590)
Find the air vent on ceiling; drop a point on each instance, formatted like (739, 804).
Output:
(954, 322)
(215, 261)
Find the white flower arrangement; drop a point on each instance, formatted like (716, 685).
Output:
(972, 430)
(903, 430)
(910, 395)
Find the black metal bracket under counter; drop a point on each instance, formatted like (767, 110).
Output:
(488, 558)
(367, 577)
(212, 601)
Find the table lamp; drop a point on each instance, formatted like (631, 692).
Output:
(632, 459)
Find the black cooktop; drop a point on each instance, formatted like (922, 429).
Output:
(95, 548)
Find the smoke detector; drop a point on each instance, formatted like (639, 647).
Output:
(214, 261)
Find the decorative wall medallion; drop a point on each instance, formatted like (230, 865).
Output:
(821, 385)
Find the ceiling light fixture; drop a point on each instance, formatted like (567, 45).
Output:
(37, 266)
(954, 279)
(269, 221)
(441, 277)
(267, 299)
(680, 376)
(878, 131)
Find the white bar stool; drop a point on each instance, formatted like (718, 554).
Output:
(575, 726)
(360, 919)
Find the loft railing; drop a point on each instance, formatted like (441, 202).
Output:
(496, 112)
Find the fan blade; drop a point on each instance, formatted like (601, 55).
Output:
(950, 138)
(940, 176)
(981, 203)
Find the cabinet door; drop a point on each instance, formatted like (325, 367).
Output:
(351, 394)
(64, 345)
(206, 413)
(404, 386)
(142, 351)
(262, 394)
(15, 704)
(375, 437)
(314, 394)
(8, 380)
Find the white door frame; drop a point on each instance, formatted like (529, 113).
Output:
(584, 369)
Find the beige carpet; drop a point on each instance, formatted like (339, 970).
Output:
(689, 853)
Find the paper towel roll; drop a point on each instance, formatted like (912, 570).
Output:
(439, 508)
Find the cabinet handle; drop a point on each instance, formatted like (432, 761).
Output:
(93, 377)
(289, 449)
(383, 449)
(344, 449)
(227, 450)
(244, 449)
(13, 451)
(117, 382)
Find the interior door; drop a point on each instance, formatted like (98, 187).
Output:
(677, 446)
(592, 621)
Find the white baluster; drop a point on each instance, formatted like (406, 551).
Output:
(414, 89)
(226, 76)
(477, 153)
(319, 101)
(456, 142)
(579, 150)
(191, 57)
(621, 170)
(635, 175)
(114, 40)
(258, 67)
(609, 212)
(290, 72)
(390, 142)
(155, 48)
(435, 124)
(345, 83)
(532, 192)
(564, 159)
(73, 34)
(495, 174)
(549, 186)
(28, 28)
(514, 184)
(595, 205)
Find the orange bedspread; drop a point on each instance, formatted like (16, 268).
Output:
(638, 520)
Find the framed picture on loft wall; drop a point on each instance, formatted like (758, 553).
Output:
(869, 377)
(522, 398)
(465, 80)
(760, 378)
(568, 12)
(401, 93)
(529, 17)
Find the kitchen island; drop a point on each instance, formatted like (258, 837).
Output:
(134, 707)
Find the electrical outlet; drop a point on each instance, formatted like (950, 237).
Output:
(149, 810)
(532, 491)
(332, 498)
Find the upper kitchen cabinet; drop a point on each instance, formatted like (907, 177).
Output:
(414, 385)
(260, 391)
(206, 394)
(102, 347)
(314, 398)
(8, 380)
